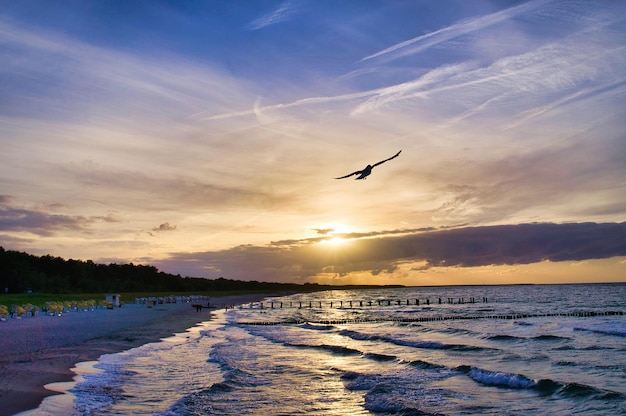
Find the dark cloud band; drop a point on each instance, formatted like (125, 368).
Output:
(462, 247)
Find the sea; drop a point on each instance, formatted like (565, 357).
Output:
(462, 350)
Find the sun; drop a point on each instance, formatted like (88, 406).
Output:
(333, 234)
(334, 241)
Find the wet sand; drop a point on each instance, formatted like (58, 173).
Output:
(35, 351)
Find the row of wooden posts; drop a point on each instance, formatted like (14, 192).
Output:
(432, 318)
(351, 304)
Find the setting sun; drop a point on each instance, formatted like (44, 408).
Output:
(334, 241)
(333, 234)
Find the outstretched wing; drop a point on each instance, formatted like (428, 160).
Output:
(383, 161)
(358, 172)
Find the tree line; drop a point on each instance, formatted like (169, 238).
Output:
(22, 272)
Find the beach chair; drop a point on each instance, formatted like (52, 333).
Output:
(18, 311)
(29, 309)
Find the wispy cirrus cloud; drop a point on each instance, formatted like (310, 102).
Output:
(521, 85)
(564, 14)
(283, 12)
(561, 68)
(424, 42)
(106, 81)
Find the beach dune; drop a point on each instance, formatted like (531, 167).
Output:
(35, 351)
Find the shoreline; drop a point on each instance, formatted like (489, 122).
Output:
(37, 351)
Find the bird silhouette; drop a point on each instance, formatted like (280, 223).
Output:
(363, 174)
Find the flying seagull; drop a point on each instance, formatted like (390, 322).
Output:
(363, 174)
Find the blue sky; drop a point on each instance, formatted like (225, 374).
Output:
(203, 136)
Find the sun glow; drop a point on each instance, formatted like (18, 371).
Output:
(333, 234)
(334, 241)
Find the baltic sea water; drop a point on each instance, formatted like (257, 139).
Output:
(464, 350)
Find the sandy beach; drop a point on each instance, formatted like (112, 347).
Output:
(35, 351)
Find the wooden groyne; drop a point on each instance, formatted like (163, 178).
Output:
(318, 304)
(433, 318)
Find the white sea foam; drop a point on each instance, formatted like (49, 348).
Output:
(494, 378)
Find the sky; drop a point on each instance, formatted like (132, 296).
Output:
(203, 137)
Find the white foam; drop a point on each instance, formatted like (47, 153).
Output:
(63, 404)
(493, 378)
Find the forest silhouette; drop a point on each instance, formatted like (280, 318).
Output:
(22, 272)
